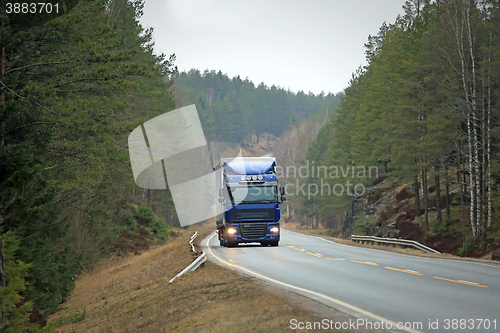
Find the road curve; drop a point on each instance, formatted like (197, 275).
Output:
(396, 292)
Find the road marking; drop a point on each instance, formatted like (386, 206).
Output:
(335, 259)
(314, 293)
(468, 282)
(405, 271)
(293, 247)
(412, 271)
(461, 281)
(497, 266)
(314, 254)
(364, 262)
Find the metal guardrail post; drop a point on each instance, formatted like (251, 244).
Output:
(200, 258)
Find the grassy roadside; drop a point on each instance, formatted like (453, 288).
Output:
(133, 295)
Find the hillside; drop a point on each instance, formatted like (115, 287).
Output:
(387, 209)
(133, 295)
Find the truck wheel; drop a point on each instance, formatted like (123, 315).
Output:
(274, 243)
(221, 242)
(231, 244)
(264, 243)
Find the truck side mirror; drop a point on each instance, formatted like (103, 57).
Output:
(282, 190)
(283, 198)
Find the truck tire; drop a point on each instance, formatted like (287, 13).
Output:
(274, 243)
(221, 242)
(264, 243)
(231, 244)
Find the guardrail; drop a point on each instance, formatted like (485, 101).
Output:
(199, 256)
(393, 241)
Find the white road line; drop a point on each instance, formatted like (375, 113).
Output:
(313, 293)
(468, 282)
(411, 270)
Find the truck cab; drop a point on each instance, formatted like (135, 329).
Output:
(249, 199)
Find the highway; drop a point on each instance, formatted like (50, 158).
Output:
(396, 292)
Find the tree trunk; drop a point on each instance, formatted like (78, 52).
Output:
(471, 180)
(4, 319)
(447, 184)
(488, 140)
(5, 313)
(438, 195)
(425, 197)
(417, 195)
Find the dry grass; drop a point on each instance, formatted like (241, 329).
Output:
(133, 295)
(321, 232)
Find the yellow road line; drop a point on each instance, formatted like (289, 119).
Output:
(462, 282)
(310, 292)
(366, 263)
(335, 259)
(293, 247)
(404, 271)
(314, 254)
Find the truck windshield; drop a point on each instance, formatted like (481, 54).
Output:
(253, 194)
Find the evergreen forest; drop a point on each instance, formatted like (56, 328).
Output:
(72, 89)
(425, 113)
(237, 111)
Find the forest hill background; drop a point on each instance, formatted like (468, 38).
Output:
(72, 90)
(424, 110)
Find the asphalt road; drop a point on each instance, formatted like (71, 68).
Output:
(396, 292)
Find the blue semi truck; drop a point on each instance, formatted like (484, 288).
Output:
(248, 201)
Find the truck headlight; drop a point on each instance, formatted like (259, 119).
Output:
(275, 229)
(231, 231)
(260, 177)
(254, 177)
(242, 178)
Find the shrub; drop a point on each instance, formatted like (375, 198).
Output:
(160, 228)
(409, 230)
(471, 243)
(403, 195)
(128, 221)
(361, 227)
(15, 273)
(145, 213)
(158, 225)
(442, 228)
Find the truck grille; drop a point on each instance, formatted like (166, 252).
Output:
(252, 214)
(253, 230)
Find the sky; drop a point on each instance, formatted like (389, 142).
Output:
(308, 45)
